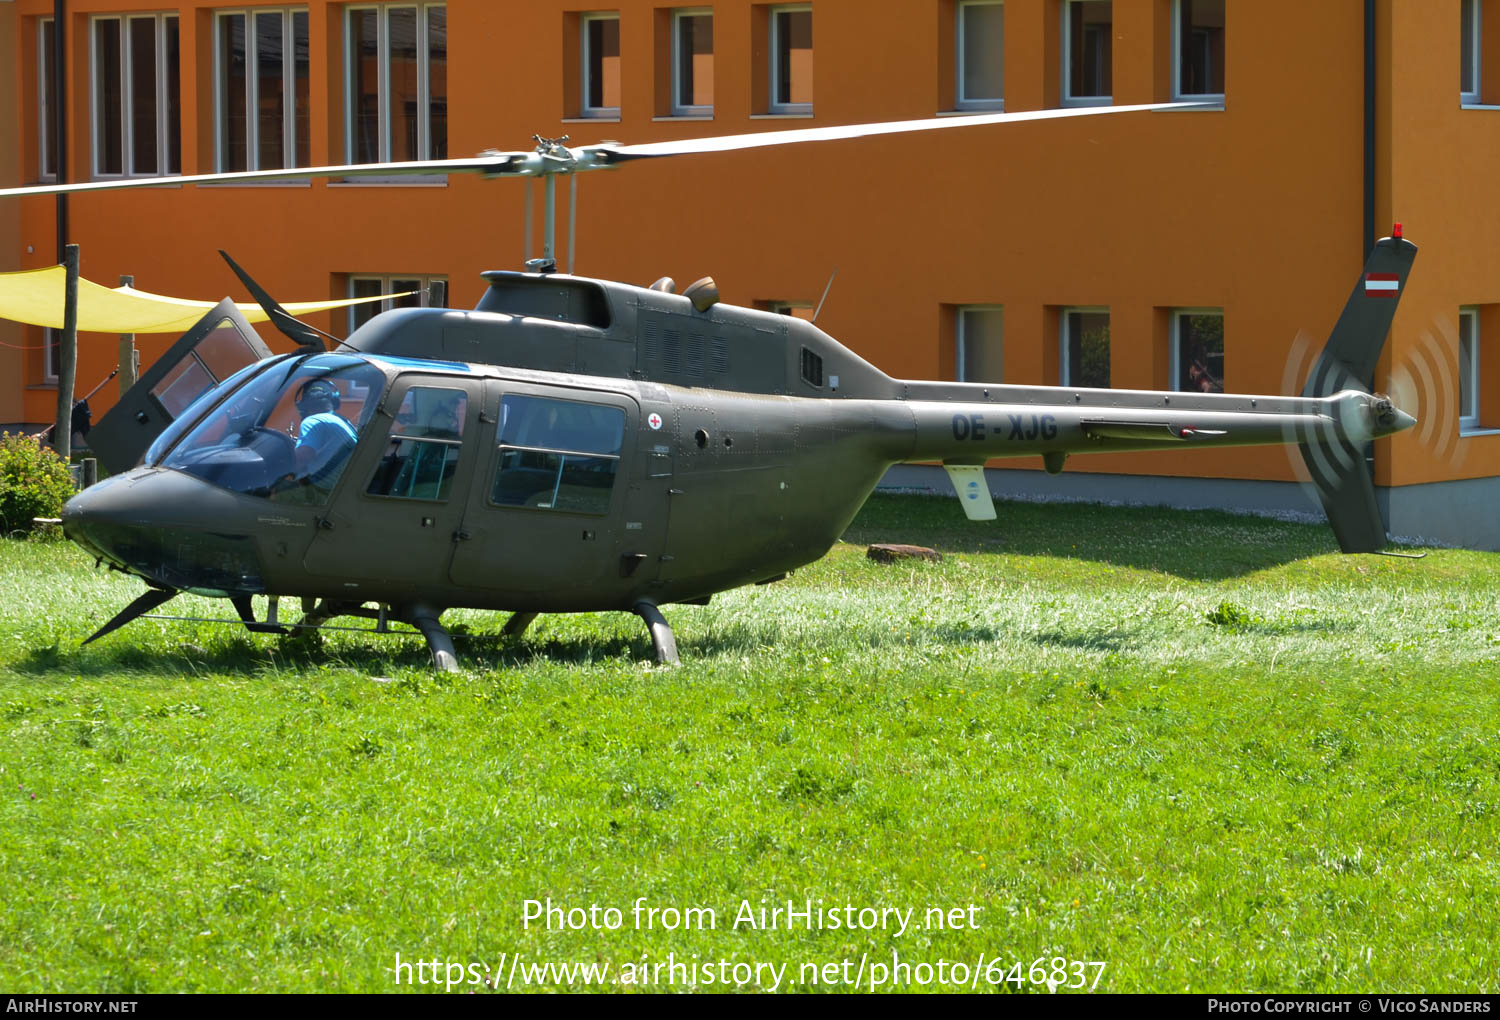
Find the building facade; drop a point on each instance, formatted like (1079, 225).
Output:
(1206, 247)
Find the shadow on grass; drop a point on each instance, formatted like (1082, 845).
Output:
(1203, 545)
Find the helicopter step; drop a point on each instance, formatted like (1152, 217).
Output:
(425, 618)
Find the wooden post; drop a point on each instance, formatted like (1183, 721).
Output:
(67, 358)
(130, 360)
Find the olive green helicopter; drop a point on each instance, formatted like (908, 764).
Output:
(582, 445)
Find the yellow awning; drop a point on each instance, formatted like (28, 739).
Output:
(35, 296)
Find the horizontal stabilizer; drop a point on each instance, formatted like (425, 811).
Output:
(973, 491)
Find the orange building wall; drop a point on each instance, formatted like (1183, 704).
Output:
(12, 359)
(1255, 208)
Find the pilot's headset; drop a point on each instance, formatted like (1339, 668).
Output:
(317, 396)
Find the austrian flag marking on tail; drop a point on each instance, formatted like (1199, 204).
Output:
(1387, 285)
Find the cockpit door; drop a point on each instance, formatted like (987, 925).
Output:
(219, 345)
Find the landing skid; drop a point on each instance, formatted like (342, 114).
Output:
(661, 632)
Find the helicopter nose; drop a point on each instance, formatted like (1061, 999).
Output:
(169, 528)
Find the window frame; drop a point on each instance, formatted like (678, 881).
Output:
(585, 61)
(618, 457)
(383, 72)
(1067, 97)
(1468, 423)
(1469, 93)
(960, 101)
(46, 114)
(960, 343)
(384, 281)
(1174, 359)
(773, 105)
(127, 128)
(1178, 95)
(680, 108)
(1063, 339)
(252, 86)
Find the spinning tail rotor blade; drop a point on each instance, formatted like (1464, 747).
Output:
(1335, 461)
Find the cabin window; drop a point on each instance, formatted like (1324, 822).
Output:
(1088, 52)
(425, 441)
(137, 118)
(1199, 28)
(1198, 350)
(980, 48)
(287, 434)
(557, 454)
(812, 368)
(261, 98)
(1085, 347)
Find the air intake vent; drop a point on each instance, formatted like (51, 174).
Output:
(719, 356)
(812, 368)
(651, 340)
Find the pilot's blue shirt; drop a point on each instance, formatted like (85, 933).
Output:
(331, 439)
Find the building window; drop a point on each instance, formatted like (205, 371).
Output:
(1198, 350)
(261, 110)
(796, 309)
(1468, 369)
(1088, 52)
(410, 291)
(397, 85)
(601, 65)
(1085, 347)
(134, 85)
(46, 119)
(791, 60)
(1199, 28)
(980, 47)
(692, 63)
(1469, 63)
(978, 344)
(51, 353)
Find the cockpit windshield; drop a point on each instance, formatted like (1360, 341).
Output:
(287, 434)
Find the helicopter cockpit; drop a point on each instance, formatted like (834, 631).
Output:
(284, 434)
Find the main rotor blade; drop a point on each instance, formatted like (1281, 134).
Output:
(727, 143)
(486, 163)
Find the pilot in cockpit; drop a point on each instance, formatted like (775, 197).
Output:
(324, 439)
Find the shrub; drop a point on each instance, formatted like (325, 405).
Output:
(34, 482)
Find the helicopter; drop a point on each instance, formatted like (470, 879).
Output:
(582, 445)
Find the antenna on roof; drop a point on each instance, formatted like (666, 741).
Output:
(825, 293)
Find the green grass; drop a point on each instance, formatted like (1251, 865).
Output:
(1201, 748)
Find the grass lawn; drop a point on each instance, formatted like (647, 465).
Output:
(1204, 750)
